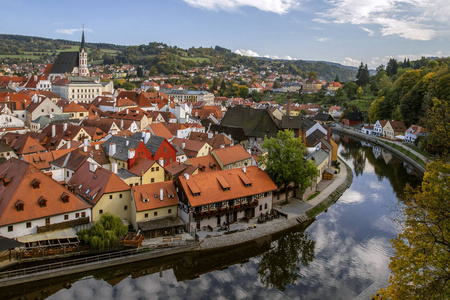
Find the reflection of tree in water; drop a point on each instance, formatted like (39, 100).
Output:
(353, 150)
(280, 266)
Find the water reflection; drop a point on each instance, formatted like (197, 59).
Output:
(280, 266)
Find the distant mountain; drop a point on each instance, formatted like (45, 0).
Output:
(166, 59)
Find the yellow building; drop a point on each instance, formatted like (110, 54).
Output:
(103, 189)
(155, 209)
(148, 170)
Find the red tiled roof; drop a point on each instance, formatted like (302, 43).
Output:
(229, 155)
(147, 196)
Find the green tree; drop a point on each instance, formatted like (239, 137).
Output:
(312, 74)
(242, 91)
(153, 71)
(363, 76)
(105, 233)
(128, 86)
(285, 161)
(359, 93)
(438, 123)
(392, 67)
(420, 267)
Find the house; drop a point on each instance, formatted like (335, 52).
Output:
(148, 170)
(232, 157)
(352, 118)
(335, 111)
(154, 209)
(6, 152)
(312, 85)
(33, 202)
(192, 148)
(367, 129)
(41, 107)
(42, 160)
(206, 163)
(323, 118)
(378, 127)
(102, 189)
(332, 87)
(413, 132)
(322, 160)
(208, 200)
(160, 129)
(75, 111)
(216, 141)
(22, 144)
(393, 128)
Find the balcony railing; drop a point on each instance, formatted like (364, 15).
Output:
(63, 225)
(224, 210)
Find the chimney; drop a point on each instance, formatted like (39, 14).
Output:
(96, 147)
(121, 124)
(147, 137)
(329, 133)
(131, 153)
(210, 135)
(186, 175)
(183, 145)
(35, 78)
(53, 130)
(222, 146)
(64, 126)
(69, 144)
(112, 149)
(114, 167)
(127, 110)
(127, 142)
(231, 143)
(161, 162)
(92, 167)
(244, 169)
(161, 194)
(288, 108)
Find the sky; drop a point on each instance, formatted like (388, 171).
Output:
(343, 31)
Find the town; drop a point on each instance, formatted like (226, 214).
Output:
(84, 145)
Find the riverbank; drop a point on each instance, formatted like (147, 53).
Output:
(296, 212)
(382, 143)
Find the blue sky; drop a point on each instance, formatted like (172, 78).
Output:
(343, 31)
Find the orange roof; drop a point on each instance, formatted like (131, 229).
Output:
(160, 130)
(210, 185)
(147, 196)
(229, 155)
(205, 163)
(141, 165)
(73, 107)
(42, 160)
(19, 190)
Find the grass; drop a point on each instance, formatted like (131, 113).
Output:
(200, 59)
(313, 196)
(362, 104)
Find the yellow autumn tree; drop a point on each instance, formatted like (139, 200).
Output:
(421, 265)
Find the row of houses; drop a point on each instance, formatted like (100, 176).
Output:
(395, 130)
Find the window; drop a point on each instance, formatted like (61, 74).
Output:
(170, 211)
(152, 180)
(66, 217)
(146, 215)
(260, 208)
(28, 224)
(110, 196)
(153, 169)
(125, 207)
(157, 169)
(265, 206)
(83, 214)
(155, 214)
(100, 211)
(47, 221)
(77, 215)
(120, 196)
(10, 228)
(165, 149)
(170, 160)
(67, 173)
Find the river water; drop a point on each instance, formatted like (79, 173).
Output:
(339, 255)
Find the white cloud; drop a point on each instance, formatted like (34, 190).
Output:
(348, 61)
(410, 19)
(71, 31)
(321, 39)
(248, 52)
(276, 6)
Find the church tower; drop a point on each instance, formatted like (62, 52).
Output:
(82, 62)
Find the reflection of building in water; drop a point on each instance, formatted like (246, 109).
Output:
(376, 151)
(389, 158)
(409, 169)
(366, 144)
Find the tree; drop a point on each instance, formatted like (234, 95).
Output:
(359, 93)
(392, 67)
(420, 267)
(285, 161)
(105, 233)
(438, 123)
(363, 76)
(153, 71)
(336, 79)
(242, 91)
(312, 74)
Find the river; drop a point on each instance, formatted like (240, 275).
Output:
(339, 255)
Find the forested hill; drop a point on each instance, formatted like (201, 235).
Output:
(166, 59)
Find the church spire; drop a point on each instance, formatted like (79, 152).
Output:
(83, 46)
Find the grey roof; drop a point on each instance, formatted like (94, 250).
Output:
(45, 120)
(179, 151)
(290, 122)
(65, 62)
(124, 174)
(121, 147)
(166, 222)
(153, 143)
(6, 243)
(314, 137)
(185, 92)
(307, 124)
(323, 117)
(4, 147)
(318, 157)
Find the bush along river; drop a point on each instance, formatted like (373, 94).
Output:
(340, 254)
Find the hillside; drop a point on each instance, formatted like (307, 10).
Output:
(166, 59)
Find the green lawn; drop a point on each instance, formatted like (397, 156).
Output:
(362, 104)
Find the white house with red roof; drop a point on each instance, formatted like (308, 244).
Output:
(413, 132)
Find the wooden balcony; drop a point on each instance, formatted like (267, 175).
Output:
(62, 225)
(224, 210)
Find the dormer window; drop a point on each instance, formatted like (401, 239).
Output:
(42, 201)
(36, 183)
(19, 205)
(65, 197)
